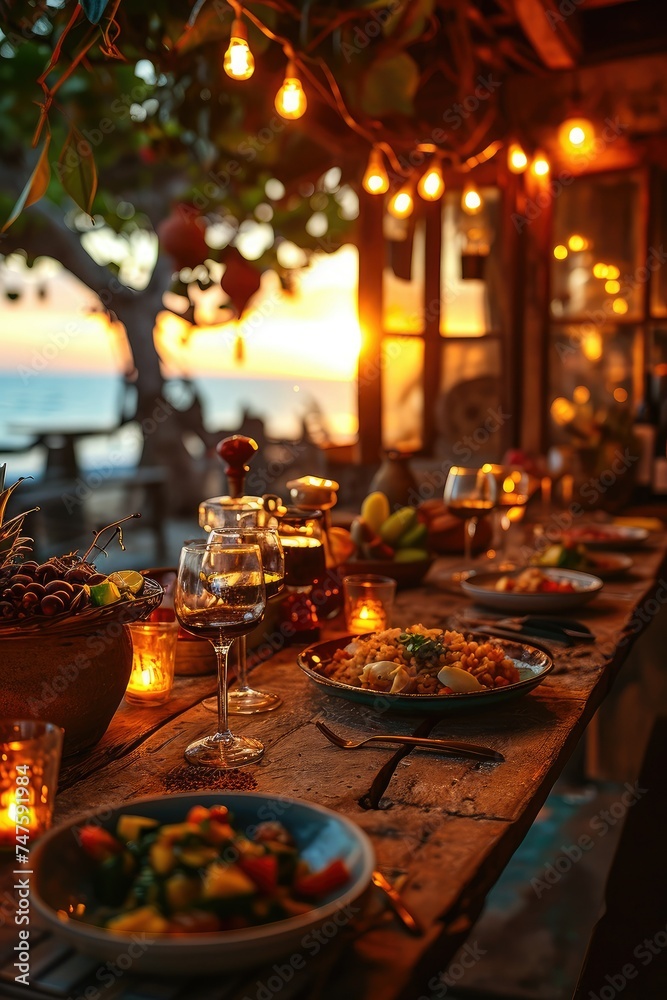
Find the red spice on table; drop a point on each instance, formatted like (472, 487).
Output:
(186, 778)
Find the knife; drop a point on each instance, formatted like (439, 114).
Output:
(408, 920)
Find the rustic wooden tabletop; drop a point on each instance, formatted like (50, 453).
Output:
(443, 828)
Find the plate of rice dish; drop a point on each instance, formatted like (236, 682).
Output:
(422, 670)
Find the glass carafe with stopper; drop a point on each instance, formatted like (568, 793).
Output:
(310, 494)
(240, 510)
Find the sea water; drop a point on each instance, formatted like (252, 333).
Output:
(84, 401)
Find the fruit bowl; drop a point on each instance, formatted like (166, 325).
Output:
(406, 574)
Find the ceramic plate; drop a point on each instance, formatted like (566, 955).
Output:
(481, 587)
(607, 536)
(533, 666)
(609, 565)
(63, 877)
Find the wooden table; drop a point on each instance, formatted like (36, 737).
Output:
(443, 829)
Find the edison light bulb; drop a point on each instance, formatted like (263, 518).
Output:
(401, 204)
(431, 185)
(576, 135)
(291, 101)
(540, 165)
(239, 62)
(517, 161)
(471, 202)
(376, 180)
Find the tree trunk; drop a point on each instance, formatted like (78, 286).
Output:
(44, 232)
(162, 426)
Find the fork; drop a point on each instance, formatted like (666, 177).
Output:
(424, 743)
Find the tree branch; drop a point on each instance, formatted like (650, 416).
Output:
(44, 233)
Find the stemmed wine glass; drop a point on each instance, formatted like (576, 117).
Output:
(243, 699)
(514, 490)
(469, 494)
(220, 595)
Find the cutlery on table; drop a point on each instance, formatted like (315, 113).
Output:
(560, 629)
(471, 750)
(408, 919)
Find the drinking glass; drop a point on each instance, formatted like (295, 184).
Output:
(243, 699)
(514, 486)
(220, 595)
(469, 494)
(29, 763)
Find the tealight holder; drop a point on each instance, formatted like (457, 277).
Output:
(369, 602)
(153, 661)
(30, 753)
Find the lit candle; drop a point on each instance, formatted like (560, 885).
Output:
(16, 819)
(368, 616)
(29, 761)
(546, 492)
(154, 653)
(148, 681)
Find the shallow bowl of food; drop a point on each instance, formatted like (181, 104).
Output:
(534, 589)
(69, 884)
(337, 667)
(607, 536)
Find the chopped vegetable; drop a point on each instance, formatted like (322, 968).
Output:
(322, 883)
(200, 875)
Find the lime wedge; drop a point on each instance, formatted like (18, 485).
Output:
(127, 579)
(104, 593)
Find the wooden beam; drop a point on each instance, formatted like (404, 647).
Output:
(552, 34)
(370, 243)
(431, 372)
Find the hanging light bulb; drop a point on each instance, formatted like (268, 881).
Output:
(540, 166)
(291, 101)
(576, 135)
(431, 184)
(402, 203)
(239, 62)
(517, 161)
(471, 202)
(376, 180)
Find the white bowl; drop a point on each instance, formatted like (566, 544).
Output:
(63, 878)
(482, 588)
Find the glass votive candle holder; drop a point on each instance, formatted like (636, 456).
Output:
(369, 602)
(30, 753)
(153, 661)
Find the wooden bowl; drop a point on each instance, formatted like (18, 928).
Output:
(75, 680)
(406, 574)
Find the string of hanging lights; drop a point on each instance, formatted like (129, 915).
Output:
(576, 134)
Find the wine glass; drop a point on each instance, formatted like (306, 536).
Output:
(514, 487)
(220, 595)
(243, 699)
(469, 494)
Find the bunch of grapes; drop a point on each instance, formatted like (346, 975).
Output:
(31, 589)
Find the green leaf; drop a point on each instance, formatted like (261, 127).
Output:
(36, 186)
(389, 85)
(93, 9)
(77, 170)
(407, 21)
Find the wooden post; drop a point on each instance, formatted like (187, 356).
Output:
(431, 373)
(513, 305)
(534, 225)
(371, 248)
